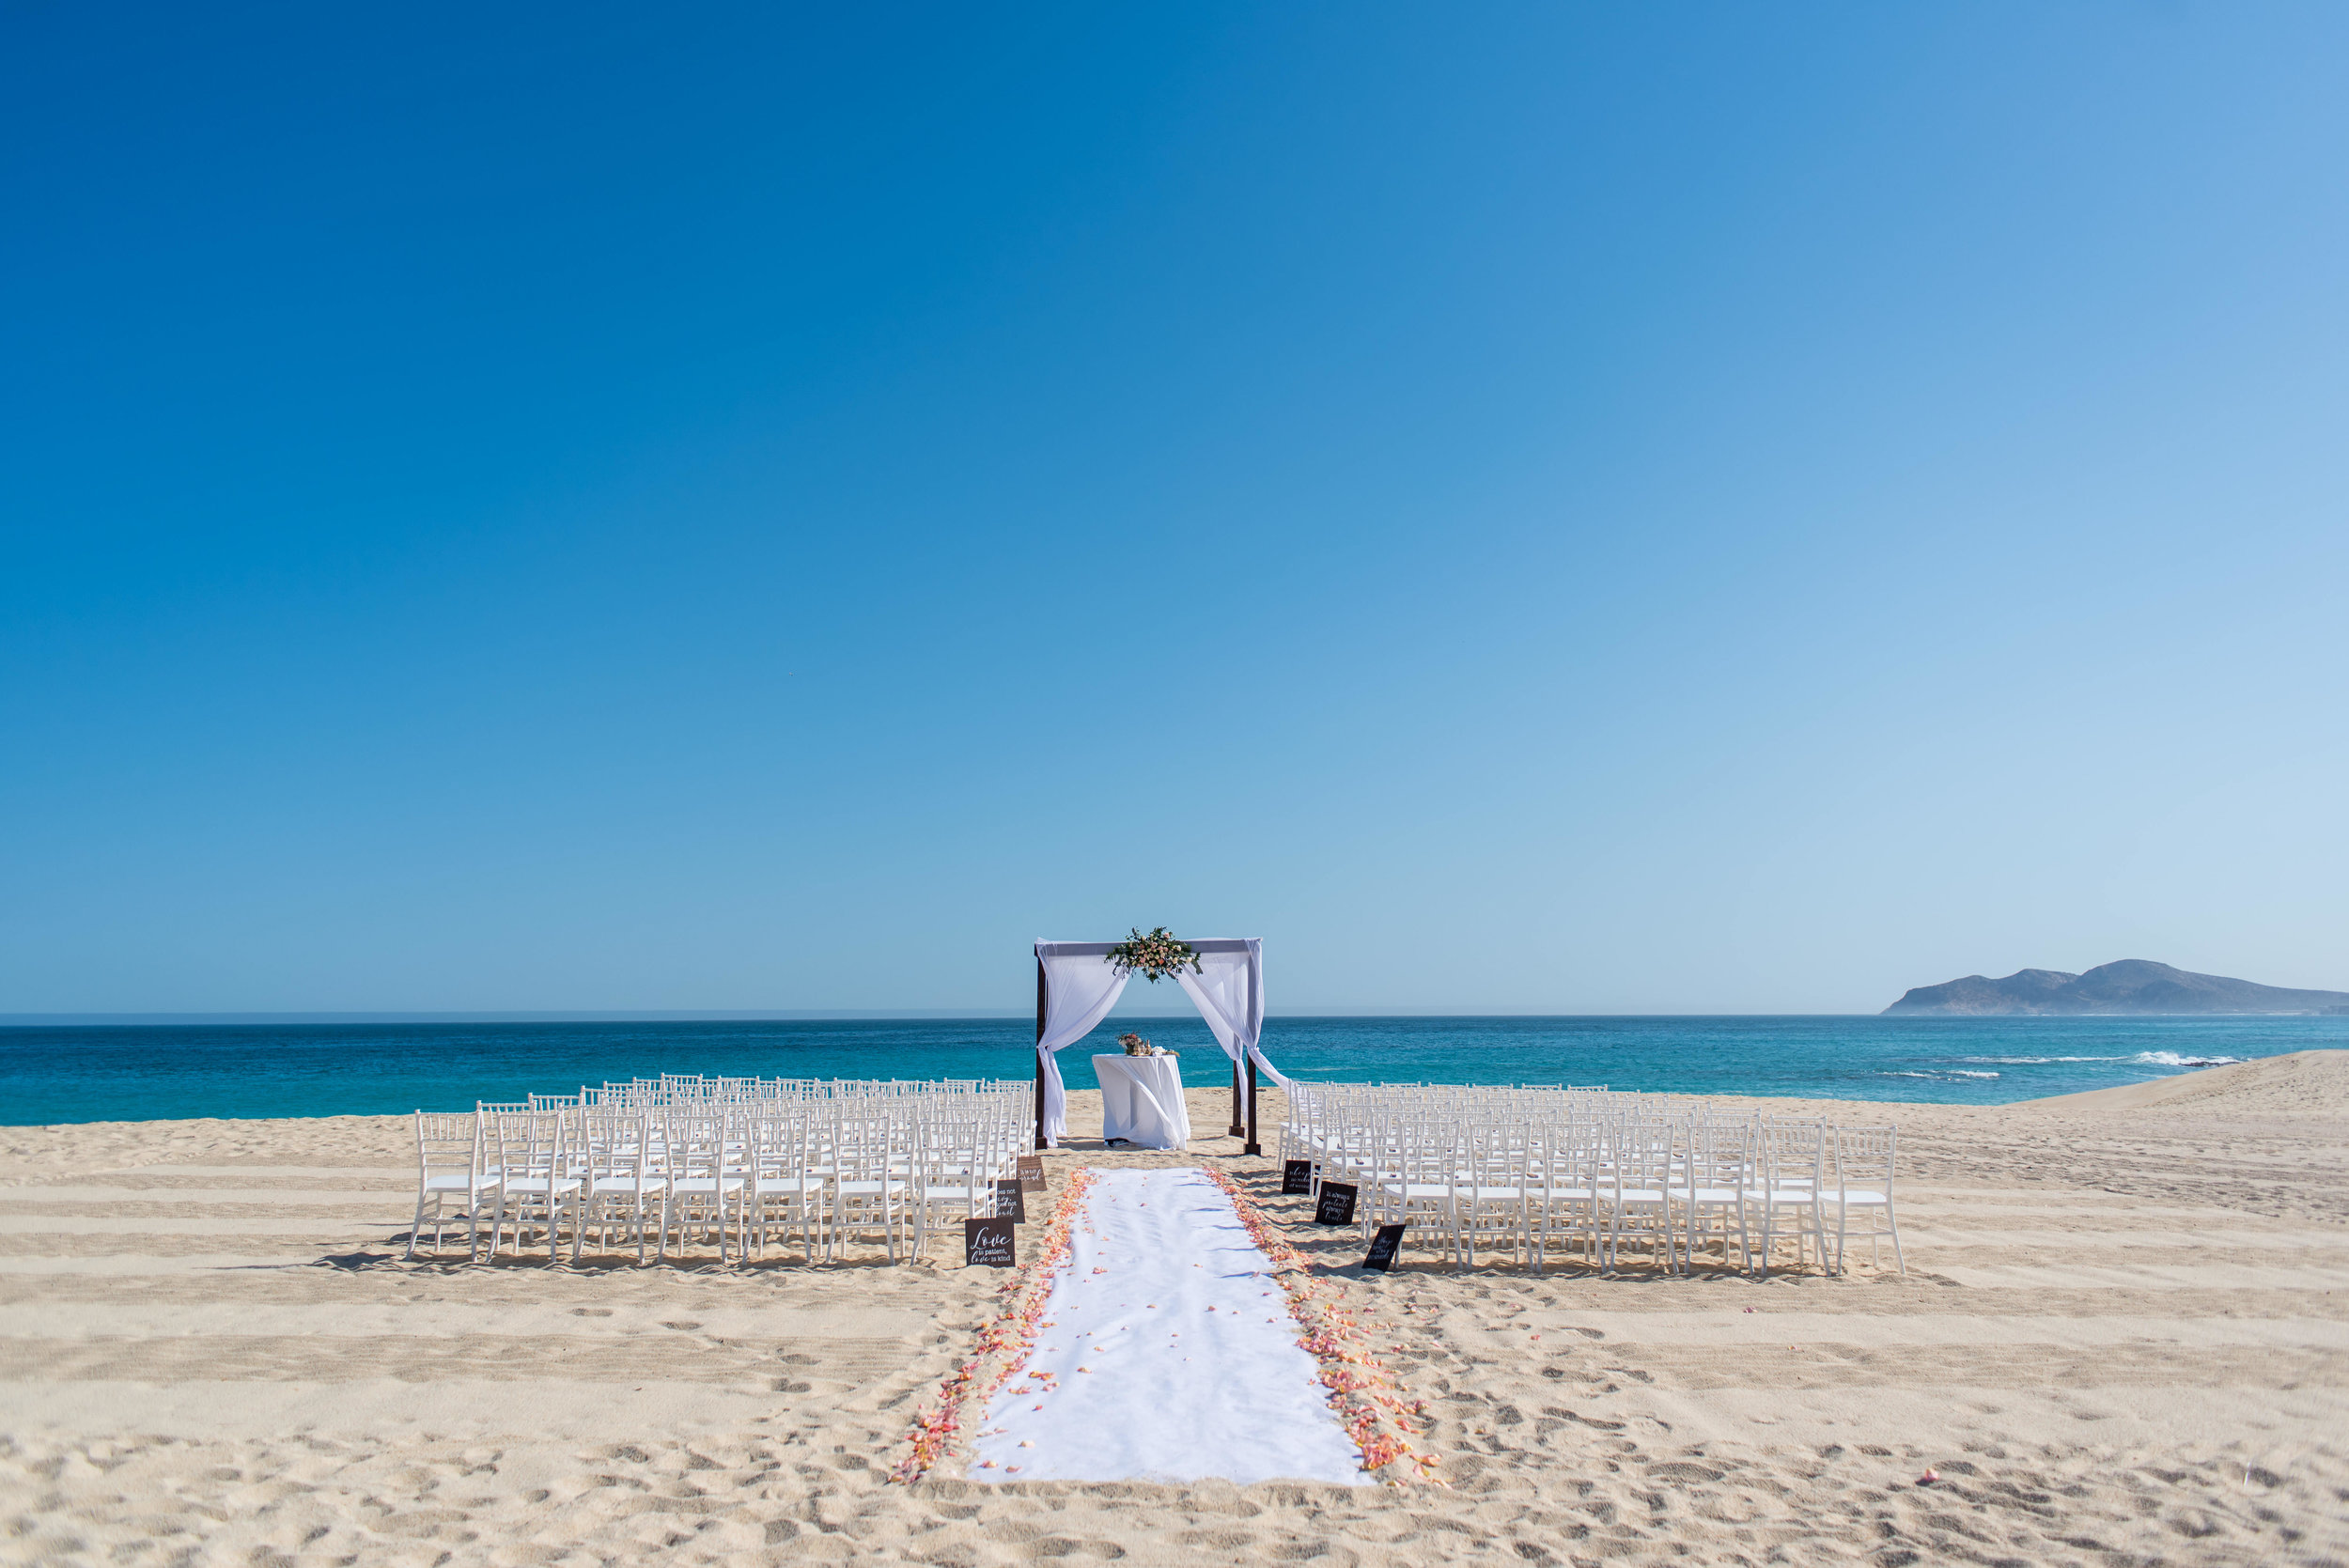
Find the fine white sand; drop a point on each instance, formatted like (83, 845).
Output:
(2122, 1339)
(1169, 1354)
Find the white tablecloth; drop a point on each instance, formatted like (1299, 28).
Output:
(1141, 1101)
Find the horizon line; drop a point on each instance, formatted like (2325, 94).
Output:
(808, 1014)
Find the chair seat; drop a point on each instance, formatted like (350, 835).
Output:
(1862, 1199)
(462, 1182)
(539, 1186)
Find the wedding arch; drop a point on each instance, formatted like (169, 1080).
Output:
(1076, 985)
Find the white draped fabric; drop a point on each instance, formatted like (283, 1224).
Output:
(1141, 1101)
(1229, 993)
(1080, 988)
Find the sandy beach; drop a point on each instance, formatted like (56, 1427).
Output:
(2122, 1338)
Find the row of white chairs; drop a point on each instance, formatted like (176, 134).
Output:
(734, 1165)
(1597, 1176)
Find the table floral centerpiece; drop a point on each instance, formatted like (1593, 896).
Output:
(1136, 1046)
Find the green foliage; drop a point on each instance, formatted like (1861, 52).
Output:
(1159, 953)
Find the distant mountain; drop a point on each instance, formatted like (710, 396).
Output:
(2131, 986)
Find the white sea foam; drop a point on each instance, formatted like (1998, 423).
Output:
(1942, 1078)
(2038, 1061)
(2171, 1059)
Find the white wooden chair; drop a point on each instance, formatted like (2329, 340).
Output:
(866, 1195)
(784, 1193)
(1793, 1162)
(1490, 1199)
(952, 1182)
(702, 1186)
(1640, 1198)
(450, 1169)
(536, 1183)
(625, 1180)
(1864, 1184)
(1719, 1179)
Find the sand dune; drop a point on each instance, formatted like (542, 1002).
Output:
(2122, 1338)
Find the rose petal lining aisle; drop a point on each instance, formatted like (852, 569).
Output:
(1166, 1351)
(1375, 1412)
(1003, 1343)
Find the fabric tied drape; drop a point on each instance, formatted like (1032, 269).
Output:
(1229, 993)
(1080, 988)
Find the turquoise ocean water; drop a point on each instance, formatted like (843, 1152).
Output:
(138, 1072)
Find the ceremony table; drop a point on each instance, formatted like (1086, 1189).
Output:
(1141, 1101)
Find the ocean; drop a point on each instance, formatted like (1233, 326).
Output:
(135, 1072)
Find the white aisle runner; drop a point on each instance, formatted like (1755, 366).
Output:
(1172, 1354)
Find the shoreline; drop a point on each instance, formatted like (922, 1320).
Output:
(2327, 1069)
(69, 1077)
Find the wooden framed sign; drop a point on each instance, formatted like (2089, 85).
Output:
(1336, 1206)
(989, 1244)
(1297, 1175)
(1383, 1248)
(1011, 1203)
(1030, 1169)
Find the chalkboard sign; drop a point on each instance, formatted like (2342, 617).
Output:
(1337, 1204)
(1297, 1175)
(988, 1244)
(1011, 1203)
(1383, 1247)
(1032, 1172)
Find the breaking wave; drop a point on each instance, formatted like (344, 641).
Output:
(2171, 1059)
(2040, 1061)
(1943, 1077)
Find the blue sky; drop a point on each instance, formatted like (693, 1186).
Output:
(1533, 508)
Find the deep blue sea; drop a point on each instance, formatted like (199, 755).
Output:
(88, 1073)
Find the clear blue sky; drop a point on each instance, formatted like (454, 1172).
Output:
(1536, 508)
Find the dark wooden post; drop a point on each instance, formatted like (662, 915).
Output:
(1041, 996)
(1237, 1130)
(1252, 1146)
(1255, 1011)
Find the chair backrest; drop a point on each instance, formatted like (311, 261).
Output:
(530, 1143)
(693, 1146)
(1722, 1153)
(619, 1145)
(447, 1144)
(1794, 1152)
(1863, 1157)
